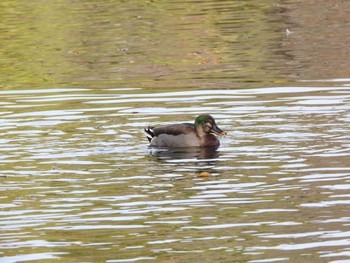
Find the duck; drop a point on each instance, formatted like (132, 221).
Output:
(202, 133)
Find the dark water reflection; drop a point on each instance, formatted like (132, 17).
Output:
(200, 160)
(185, 153)
(80, 81)
(227, 44)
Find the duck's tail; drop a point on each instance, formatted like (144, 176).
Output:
(149, 133)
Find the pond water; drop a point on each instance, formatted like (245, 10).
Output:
(79, 82)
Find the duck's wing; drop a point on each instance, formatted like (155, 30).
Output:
(174, 129)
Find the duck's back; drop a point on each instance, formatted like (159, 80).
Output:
(175, 135)
(174, 129)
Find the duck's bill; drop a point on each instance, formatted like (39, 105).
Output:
(216, 130)
(222, 133)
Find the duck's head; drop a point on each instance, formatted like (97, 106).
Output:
(205, 124)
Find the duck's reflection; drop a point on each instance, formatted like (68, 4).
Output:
(192, 159)
(209, 153)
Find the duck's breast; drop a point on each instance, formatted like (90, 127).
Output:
(210, 141)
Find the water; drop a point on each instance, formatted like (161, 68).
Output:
(78, 181)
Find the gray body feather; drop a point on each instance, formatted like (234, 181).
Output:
(179, 135)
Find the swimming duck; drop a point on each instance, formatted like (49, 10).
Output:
(199, 134)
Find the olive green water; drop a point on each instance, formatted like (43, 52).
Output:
(79, 80)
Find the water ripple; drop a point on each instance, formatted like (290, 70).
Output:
(82, 166)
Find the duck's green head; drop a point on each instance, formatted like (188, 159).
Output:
(206, 124)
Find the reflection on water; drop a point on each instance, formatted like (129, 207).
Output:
(195, 159)
(78, 180)
(227, 44)
(185, 153)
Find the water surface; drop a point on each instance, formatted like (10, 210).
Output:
(78, 180)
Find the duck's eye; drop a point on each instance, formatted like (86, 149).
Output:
(209, 125)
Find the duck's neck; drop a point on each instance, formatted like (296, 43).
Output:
(200, 132)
